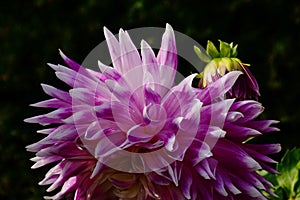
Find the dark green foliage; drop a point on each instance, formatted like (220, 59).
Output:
(288, 179)
(266, 31)
(287, 182)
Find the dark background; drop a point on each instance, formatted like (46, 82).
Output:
(31, 31)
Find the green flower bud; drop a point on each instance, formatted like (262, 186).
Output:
(219, 62)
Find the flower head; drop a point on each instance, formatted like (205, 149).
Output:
(221, 62)
(130, 133)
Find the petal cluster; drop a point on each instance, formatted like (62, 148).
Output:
(128, 132)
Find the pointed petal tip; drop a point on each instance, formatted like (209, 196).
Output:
(63, 56)
(169, 27)
(44, 86)
(34, 159)
(61, 53)
(28, 120)
(40, 183)
(121, 34)
(124, 36)
(278, 147)
(144, 44)
(98, 168)
(52, 66)
(27, 149)
(102, 66)
(121, 30)
(169, 33)
(33, 167)
(237, 73)
(107, 33)
(33, 105)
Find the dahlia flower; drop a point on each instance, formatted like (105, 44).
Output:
(130, 133)
(221, 62)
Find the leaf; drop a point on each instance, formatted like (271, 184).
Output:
(289, 168)
(281, 194)
(212, 50)
(298, 188)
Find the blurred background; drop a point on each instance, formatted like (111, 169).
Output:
(32, 31)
